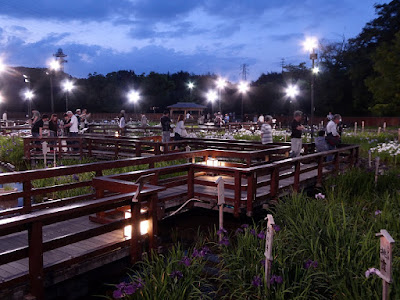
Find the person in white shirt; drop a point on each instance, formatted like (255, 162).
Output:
(261, 120)
(266, 130)
(180, 130)
(333, 136)
(73, 125)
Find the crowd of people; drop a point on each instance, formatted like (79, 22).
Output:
(69, 125)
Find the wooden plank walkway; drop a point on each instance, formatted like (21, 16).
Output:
(14, 241)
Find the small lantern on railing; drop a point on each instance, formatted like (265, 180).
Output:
(144, 225)
(116, 134)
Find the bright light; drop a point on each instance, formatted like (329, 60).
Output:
(2, 66)
(315, 70)
(68, 86)
(221, 83)
(243, 87)
(310, 44)
(292, 91)
(212, 95)
(29, 95)
(55, 65)
(133, 96)
(1, 98)
(190, 85)
(144, 226)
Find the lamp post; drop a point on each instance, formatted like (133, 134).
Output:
(310, 45)
(212, 97)
(68, 87)
(243, 88)
(190, 86)
(54, 66)
(221, 83)
(28, 96)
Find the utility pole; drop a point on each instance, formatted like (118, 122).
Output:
(282, 63)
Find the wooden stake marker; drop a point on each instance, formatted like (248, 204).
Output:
(269, 238)
(362, 126)
(221, 201)
(385, 251)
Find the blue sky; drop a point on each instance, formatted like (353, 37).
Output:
(158, 35)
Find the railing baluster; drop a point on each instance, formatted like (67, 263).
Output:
(238, 192)
(35, 239)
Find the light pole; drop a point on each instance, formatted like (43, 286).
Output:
(28, 96)
(310, 44)
(68, 87)
(211, 97)
(190, 86)
(53, 67)
(221, 83)
(243, 88)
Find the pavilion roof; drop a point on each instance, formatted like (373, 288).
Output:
(187, 105)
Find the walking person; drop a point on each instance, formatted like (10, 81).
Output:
(297, 129)
(166, 127)
(266, 130)
(37, 128)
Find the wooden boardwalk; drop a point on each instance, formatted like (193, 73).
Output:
(18, 240)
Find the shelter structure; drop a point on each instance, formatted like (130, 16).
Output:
(186, 107)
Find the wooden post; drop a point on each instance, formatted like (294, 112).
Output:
(362, 126)
(369, 159)
(376, 169)
(296, 183)
(135, 249)
(384, 126)
(385, 250)
(27, 189)
(35, 238)
(238, 193)
(138, 149)
(190, 182)
(398, 134)
(44, 151)
(251, 192)
(153, 221)
(379, 130)
(320, 170)
(221, 201)
(274, 185)
(269, 238)
(285, 137)
(355, 127)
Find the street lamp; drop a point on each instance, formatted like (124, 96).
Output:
(292, 91)
(310, 45)
(243, 88)
(54, 66)
(190, 86)
(68, 87)
(212, 97)
(133, 97)
(28, 96)
(221, 83)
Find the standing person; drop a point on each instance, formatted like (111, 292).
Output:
(78, 114)
(37, 128)
(320, 142)
(54, 126)
(64, 125)
(261, 120)
(35, 116)
(85, 118)
(72, 125)
(143, 120)
(166, 127)
(333, 136)
(180, 130)
(297, 128)
(329, 116)
(266, 130)
(122, 122)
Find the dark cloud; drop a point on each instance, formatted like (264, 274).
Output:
(71, 9)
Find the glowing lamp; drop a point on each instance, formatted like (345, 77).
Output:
(221, 83)
(133, 96)
(116, 134)
(310, 44)
(55, 65)
(292, 91)
(144, 225)
(243, 87)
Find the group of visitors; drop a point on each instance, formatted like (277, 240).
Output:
(327, 139)
(179, 130)
(68, 126)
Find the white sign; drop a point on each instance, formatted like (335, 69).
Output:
(269, 238)
(221, 190)
(385, 251)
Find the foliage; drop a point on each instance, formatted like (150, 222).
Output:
(12, 150)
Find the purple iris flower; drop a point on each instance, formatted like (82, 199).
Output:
(378, 212)
(276, 227)
(222, 231)
(310, 264)
(276, 279)
(245, 226)
(185, 261)
(261, 235)
(239, 230)
(224, 241)
(253, 232)
(176, 274)
(256, 281)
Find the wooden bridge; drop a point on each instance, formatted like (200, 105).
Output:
(43, 243)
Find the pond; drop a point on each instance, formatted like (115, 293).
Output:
(7, 188)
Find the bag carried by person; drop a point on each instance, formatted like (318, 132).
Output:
(333, 140)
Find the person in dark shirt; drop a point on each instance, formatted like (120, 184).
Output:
(297, 128)
(166, 127)
(53, 125)
(37, 128)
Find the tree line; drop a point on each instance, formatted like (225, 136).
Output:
(358, 77)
